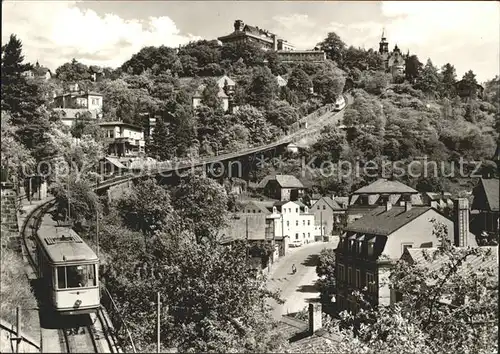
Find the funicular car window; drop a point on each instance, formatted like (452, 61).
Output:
(77, 276)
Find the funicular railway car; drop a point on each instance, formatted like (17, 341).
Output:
(68, 270)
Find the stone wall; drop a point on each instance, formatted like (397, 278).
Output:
(9, 226)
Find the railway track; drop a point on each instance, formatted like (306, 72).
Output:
(64, 334)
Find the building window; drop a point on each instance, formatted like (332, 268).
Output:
(349, 275)
(340, 272)
(308, 222)
(289, 210)
(296, 222)
(296, 236)
(297, 210)
(358, 278)
(304, 235)
(308, 234)
(288, 223)
(370, 282)
(324, 207)
(303, 223)
(317, 207)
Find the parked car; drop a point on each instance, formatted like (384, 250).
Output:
(296, 243)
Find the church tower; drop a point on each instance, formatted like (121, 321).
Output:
(383, 45)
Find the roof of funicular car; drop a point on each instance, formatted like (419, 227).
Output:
(63, 245)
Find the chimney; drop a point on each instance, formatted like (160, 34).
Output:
(408, 206)
(388, 206)
(462, 222)
(314, 318)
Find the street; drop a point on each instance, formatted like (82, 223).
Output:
(296, 289)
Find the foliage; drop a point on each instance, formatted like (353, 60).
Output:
(202, 205)
(326, 273)
(329, 84)
(159, 146)
(263, 87)
(73, 72)
(17, 160)
(23, 100)
(252, 119)
(375, 82)
(146, 207)
(429, 79)
(448, 80)
(413, 68)
(334, 47)
(207, 305)
(281, 114)
(469, 83)
(300, 83)
(77, 197)
(210, 94)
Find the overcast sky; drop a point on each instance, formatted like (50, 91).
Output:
(465, 34)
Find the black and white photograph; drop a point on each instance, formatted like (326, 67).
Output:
(250, 176)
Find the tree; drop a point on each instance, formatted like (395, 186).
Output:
(375, 82)
(16, 159)
(210, 94)
(73, 71)
(334, 47)
(210, 303)
(300, 83)
(146, 207)
(263, 87)
(412, 68)
(326, 273)
(157, 59)
(329, 146)
(250, 52)
(23, 100)
(281, 114)
(181, 129)
(469, 83)
(260, 131)
(329, 85)
(159, 146)
(448, 80)
(202, 203)
(429, 79)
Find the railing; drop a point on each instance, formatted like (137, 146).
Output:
(119, 324)
(4, 325)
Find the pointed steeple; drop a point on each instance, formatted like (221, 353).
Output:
(383, 45)
(383, 34)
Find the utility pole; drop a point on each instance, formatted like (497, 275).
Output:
(158, 324)
(321, 221)
(18, 329)
(246, 238)
(69, 193)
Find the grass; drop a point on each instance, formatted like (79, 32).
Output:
(15, 290)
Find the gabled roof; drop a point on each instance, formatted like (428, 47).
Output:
(285, 181)
(381, 222)
(476, 262)
(491, 190)
(341, 200)
(384, 186)
(263, 206)
(330, 202)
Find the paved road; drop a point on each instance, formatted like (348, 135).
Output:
(296, 289)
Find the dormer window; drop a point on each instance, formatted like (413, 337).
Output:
(371, 246)
(306, 210)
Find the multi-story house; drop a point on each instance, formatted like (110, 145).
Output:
(378, 193)
(296, 222)
(485, 208)
(75, 104)
(282, 187)
(38, 71)
(123, 139)
(370, 246)
(330, 214)
(269, 41)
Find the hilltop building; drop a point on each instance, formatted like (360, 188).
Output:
(38, 71)
(395, 61)
(269, 41)
(282, 187)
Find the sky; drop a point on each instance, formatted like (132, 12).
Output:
(107, 33)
